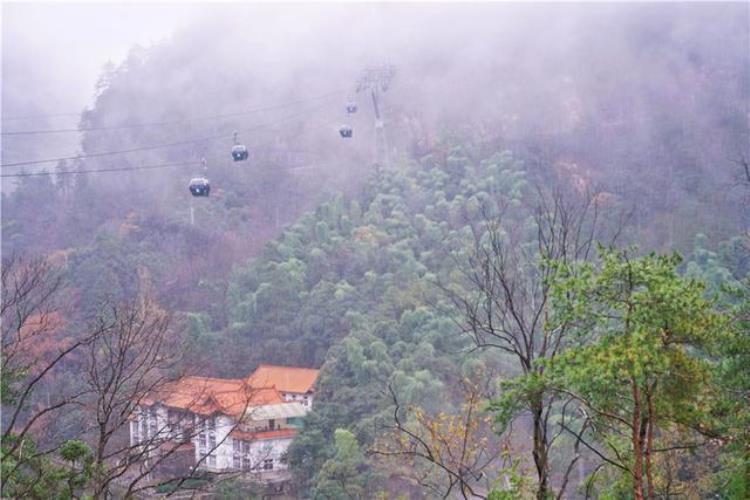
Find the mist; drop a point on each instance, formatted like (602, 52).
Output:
(495, 150)
(647, 103)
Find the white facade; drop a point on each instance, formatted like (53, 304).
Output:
(211, 441)
(265, 434)
(259, 455)
(306, 399)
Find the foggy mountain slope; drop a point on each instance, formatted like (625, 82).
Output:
(653, 92)
(646, 102)
(624, 91)
(308, 254)
(24, 107)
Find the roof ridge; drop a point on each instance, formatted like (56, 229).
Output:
(286, 367)
(238, 380)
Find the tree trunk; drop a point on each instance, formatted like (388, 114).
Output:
(100, 482)
(650, 443)
(637, 444)
(541, 460)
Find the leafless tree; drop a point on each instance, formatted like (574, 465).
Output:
(505, 301)
(130, 352)
(131, 357)
(445, 453)
(130, 366)
(34, 349)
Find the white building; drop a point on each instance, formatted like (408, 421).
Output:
(229, 424)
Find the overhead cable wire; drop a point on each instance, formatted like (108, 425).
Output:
(29, 117)
(150, 147)
(173, 122)
(112, 169)
(161, 165)
(150, 167)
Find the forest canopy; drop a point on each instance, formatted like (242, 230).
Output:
(525, 275)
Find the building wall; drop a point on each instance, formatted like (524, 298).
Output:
(273, 449)
(252, 425)
(306, 398)
(214, 439)
(150, 421)
(260, 455)
(224, 454)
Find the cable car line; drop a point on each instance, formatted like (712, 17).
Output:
(204, 187)
(153, 167)
(173, 122)
(144, 167)
(109, 153)
(29, 117)
(94, 171)
(150, 147)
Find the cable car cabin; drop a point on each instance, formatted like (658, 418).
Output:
(199, 186)
(345, 131)
(239, 153)
(351, 107)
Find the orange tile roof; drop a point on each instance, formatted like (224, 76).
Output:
(253, 436)
(284, 378)
(206, 396)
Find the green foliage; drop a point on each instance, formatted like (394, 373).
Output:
(641, 356)
(232, 488)
(732, 415)
(513, 485)
(27, 473)
(187, 484)
(75, 451)
(726, 267)
(344, 475)
(351, 287)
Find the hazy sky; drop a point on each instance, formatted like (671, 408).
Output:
(71, 41)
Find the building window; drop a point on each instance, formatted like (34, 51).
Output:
(240, 454)
(246, 462)
(305, 401)
(134, 432)
(268, 464)
(272, 424)
(212, 460)
(176, 421)
(152, 422)
(202, 444)
(236, 454)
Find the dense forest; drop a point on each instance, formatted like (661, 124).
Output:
(535, 283)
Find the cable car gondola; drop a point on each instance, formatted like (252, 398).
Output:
(345, 131)
(199, 186)
(239, 151)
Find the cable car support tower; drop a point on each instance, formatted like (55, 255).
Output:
(377, 80)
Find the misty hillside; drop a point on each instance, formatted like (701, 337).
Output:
(524, 275)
